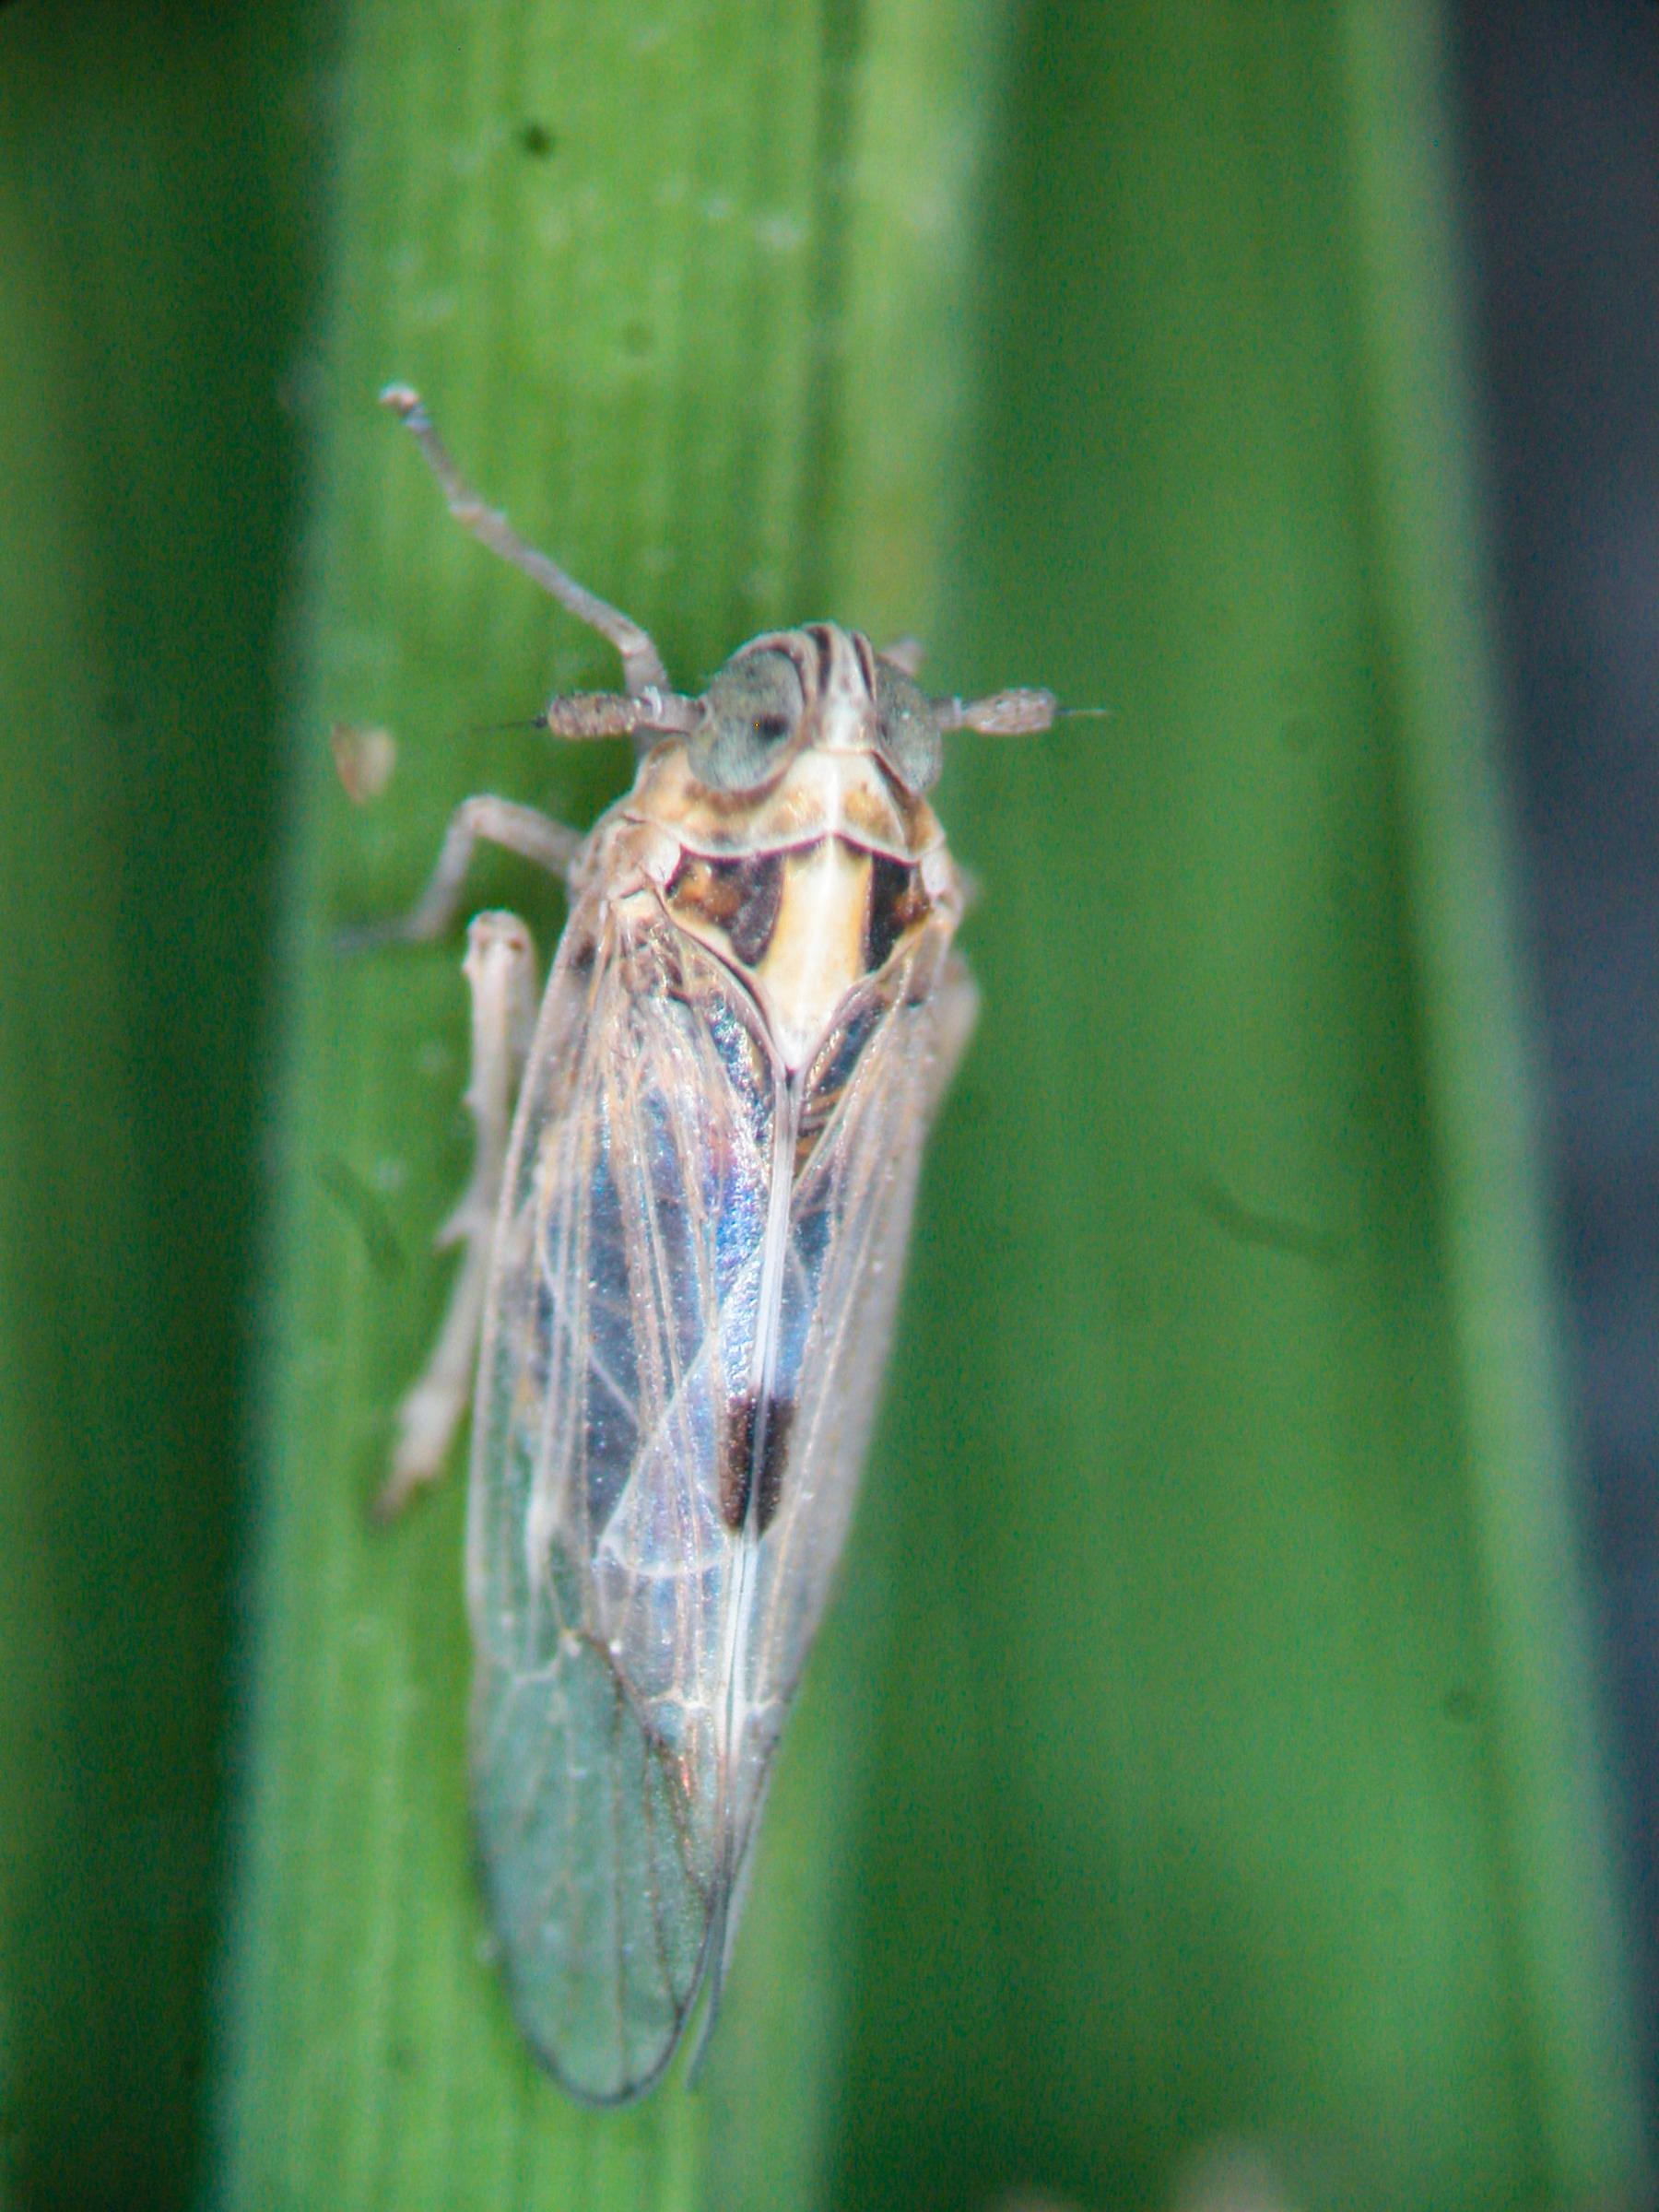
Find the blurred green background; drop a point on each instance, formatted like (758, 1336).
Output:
(1204, 1750)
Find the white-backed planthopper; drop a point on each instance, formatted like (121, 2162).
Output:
(683, 1244)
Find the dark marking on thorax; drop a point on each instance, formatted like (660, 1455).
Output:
(896, 904)
(739, 898)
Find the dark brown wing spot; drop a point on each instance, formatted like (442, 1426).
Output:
(751, 1434)
(896, 904)
(774, 1447)
(737, 1460)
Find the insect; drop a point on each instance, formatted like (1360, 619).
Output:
(683, 1241)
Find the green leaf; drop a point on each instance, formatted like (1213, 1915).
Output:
(1244, 1703)
(146, 303)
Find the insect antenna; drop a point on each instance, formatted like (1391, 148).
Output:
(500, 729)
(1017, 714)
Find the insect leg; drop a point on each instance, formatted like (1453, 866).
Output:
(478, 819)
(642, 664)
(500, 969)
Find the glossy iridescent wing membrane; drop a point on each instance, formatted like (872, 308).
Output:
(636, 1654)
(873, 1088)
(628, 1244)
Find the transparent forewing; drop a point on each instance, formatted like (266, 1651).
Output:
(694, 1278)
(864, 1110)
(622, 1321)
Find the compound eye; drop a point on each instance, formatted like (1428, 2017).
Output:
(908, 728)
(751, 712)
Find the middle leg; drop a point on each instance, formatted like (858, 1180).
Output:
(486, 819)
(500, 972)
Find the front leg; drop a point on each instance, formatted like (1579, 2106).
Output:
(500, 969)
(481, 819)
